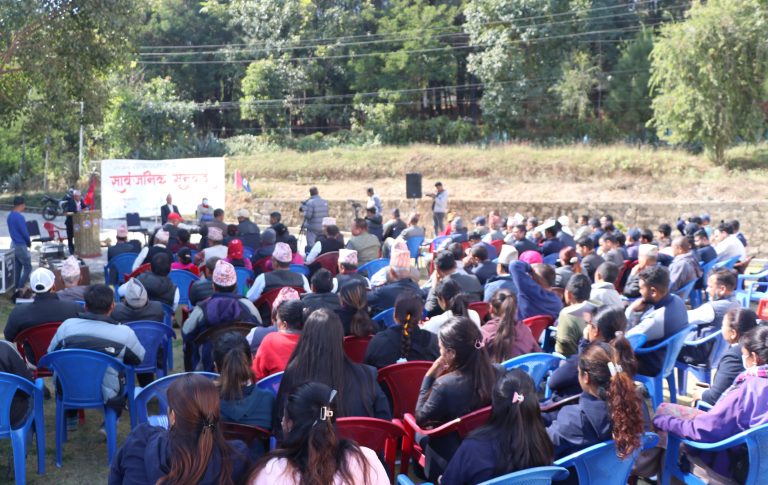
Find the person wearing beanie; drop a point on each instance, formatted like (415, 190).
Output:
(247, 230)
(71, 275)
(136, 305)
(20, 242)
(235, 253)
(122, 245)
(45, 307)
(400, 281)
(280, 276)
(160, 245)
(268, 241)
(224, 306)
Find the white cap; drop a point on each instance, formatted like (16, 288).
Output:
(647, 250)
(41, 280)
(243, 213)
(508, 254)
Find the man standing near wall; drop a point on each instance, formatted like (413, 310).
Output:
(439, 207)
(315, 209)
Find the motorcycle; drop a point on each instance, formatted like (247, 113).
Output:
(53, 207)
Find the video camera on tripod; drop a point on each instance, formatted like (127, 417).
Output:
(357, 206)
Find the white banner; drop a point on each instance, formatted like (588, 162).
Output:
(142, 185)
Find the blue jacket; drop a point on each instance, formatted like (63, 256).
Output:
(532, 299)
(496, 283)
(579, 426)
(524, 245)
(145, 457)
(667, 317)
(728, 369)
(17, 227)
(551, 246)
(484, 271)
(384, 297)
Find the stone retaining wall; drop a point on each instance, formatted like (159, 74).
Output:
(630, 214)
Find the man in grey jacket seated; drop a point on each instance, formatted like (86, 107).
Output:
(95, 330)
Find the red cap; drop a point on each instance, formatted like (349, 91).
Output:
(235, 249)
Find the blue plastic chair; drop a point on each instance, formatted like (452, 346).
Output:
(158, 390)
(599, 464)
(119, 266)
(655, 384)
(248, 252)
(387, 317)
(706, 268)
(81, 303)
(551, 259)
(9, 384)
(702, 372)
(80, 374)
(537, 365)
(542, 475)
(152, 336)
(749, 289)
(414, 246)
(183, 280)
(168, 315)
(243, 276)
(299, 268)
(271, 382)
(687, 291)
(726, 263)
(755, 439)
(637, 340)
(436, 242)
(372, 267)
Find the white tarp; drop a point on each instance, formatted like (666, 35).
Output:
(141, 185)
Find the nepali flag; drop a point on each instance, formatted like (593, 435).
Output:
(241, 182)
(246, 185)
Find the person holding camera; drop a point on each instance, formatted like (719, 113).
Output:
(315, 209)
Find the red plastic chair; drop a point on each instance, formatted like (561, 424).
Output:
(481, 308)
(54, 231)
(376, 434)
(141, 269)
(498, 243)
(762, 309)
(245, 433)
(538, 323)
(404, 383)
(329, 261)
(621, 279)
(355, 347)
(33, 343)
(462, 425)
(268, 297)
(260, 266)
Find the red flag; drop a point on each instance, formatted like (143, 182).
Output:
(238, 179)
(90, 196)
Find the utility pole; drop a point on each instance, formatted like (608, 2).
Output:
(45, 174)
(80, 155)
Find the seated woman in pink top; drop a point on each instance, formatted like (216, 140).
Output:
(277, 347)
(184, 257)
(311, 451)
(235, 255)
(504, 336)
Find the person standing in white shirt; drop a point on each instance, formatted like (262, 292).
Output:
(439, 207)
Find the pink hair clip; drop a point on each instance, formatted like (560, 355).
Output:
(517, 398)
(479, 344)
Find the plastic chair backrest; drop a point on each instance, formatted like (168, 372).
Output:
(535, 365)
(9, 384)
(183, 280)
(599, 464)
(404, 383)
(121, 265)
(35, 341)
(152, 336)
(212, 333)
(414, 246)
(685, 291)
(537, 324)
(244, 276)
(637, 340)
(372, 267)
(70, 366)
(158, 390)
(244, 432)
(329, 261)
(481, 308)
(141, 269)
(132, 220)
(472, 421)
(168, 314)
(542, 475)
(299, 268)
(33, 228)
(269, 297)
(762, 309)
(51, 230)
(673, 345)
(498, 243)
(436, 242)
(387, 316)
(377, 434)
(727, 263)
(271, 382)
(355, 347)
(623, 272)
(551, 259)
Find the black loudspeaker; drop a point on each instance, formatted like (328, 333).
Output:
(413, 185)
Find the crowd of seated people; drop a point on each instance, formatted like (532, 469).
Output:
(466, 316)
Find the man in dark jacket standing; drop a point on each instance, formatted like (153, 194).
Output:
(168, 209)
(247, 230)
(74, 204)
(45, 308)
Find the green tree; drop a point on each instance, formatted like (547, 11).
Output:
(265, 81)
(579, 78)
(629, 101)
(707, 75)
